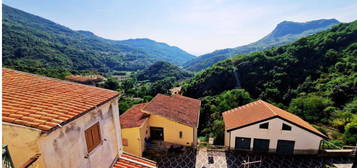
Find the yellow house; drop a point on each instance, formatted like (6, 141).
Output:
(171, 119)
(55, 124)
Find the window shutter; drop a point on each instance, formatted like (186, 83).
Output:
(96, 134)
(93, 137)
(125, 142)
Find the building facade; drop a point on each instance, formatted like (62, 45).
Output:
(262, 127)
(65, 124)
(170, 119)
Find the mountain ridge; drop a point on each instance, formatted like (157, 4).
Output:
(159, 48)
(273, 39)
(30, 40)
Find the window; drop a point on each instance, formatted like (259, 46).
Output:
(125, 142)
(264, 126)
(181, 134)
(286, 127)
(93, 138)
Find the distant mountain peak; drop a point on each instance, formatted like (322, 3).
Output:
(290, 27)
(285, 32)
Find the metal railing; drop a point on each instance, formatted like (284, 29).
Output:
(6, 158)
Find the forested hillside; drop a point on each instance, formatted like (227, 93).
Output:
(284, 33)
(160, 70)
(35, 42)
(171, 54)
(314, 77)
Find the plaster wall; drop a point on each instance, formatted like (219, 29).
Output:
(66, 146)
(22, 143)
(305, 141)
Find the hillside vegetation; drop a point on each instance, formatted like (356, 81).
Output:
(284, 33)
(35, 42)
(171, 54)
(314, 77)
(160, 70)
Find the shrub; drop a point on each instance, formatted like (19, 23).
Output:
(351, 133)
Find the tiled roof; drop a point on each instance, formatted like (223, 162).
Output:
(89, 79)
(131, 161)
(178, 108)
(258, 111)
(43, 103)
(133, 117)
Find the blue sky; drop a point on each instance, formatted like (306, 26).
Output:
(197, 26)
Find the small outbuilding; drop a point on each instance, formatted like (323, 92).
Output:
(263, 127)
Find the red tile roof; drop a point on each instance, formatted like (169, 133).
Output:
(133, 117)
(131, 161)
(178, 108)
(261, 110)
(43, 103)
(89, 79)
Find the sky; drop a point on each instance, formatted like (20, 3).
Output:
(196, 26)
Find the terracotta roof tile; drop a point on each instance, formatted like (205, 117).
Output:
(178, 108)
(131, 161)
(44, 127)
(43, 103)
(133, 117)
(258, 111)
(8, 119)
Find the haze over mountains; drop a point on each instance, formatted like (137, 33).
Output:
(285, 32)
(30, 40)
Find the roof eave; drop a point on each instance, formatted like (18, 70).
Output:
(80, 115)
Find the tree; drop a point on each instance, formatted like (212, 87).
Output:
(162, 86)
(232, 98)
(127, 84)
(211, 121)
(351, 133)
(111, 84)
(311, 108)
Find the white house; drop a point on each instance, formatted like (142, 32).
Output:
(262, 127)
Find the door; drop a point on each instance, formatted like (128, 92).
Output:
(285, 147)
(261, 145)
(157, 133)
(242, 143)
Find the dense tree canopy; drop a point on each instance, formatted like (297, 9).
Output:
(161, 70)
(312, 108)
(211, 122)
(314, 77)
